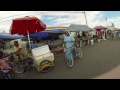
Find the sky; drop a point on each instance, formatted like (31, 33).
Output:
(63, 18)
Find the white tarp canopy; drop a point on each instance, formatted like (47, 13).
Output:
(111, 28)
(76, 27)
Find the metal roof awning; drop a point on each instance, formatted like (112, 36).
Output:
(76, 27)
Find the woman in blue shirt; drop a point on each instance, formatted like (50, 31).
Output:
(69, 40)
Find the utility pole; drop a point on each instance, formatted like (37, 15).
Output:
(106, 21)
(86, 23)
(85, 18)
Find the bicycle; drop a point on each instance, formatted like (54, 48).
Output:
(8, 73)
(20, 65)
(71, 54)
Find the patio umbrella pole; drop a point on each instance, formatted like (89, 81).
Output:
(29, 39)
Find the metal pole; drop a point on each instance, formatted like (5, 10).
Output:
(106, 21)
(85, 18)
(107, 28)
(29, 40)
(86, 22)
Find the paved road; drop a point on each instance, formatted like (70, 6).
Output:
(98, 59)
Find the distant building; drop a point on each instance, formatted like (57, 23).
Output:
(112, 27)
(57, 27)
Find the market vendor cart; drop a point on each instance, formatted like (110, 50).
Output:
(43, 58)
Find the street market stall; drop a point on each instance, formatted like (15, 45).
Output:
(28, 25)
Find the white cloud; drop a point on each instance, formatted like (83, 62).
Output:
(58, 18)
(115, 20)
(77, 17)
(7, 16)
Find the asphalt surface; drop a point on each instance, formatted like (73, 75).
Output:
(97, 59)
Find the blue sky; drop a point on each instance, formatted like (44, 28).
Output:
(111, 13)
(62, 18)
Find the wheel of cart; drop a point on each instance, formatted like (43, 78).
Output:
(43, 58)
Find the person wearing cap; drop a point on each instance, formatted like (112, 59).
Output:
(20, 50)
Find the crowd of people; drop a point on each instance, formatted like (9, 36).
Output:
(69, 41)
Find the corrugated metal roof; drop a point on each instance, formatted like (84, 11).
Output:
(75, 27)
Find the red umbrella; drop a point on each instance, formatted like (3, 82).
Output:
(27, 25)
(23, 26)
(99, 27)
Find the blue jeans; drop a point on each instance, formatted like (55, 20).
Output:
(5, 74)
